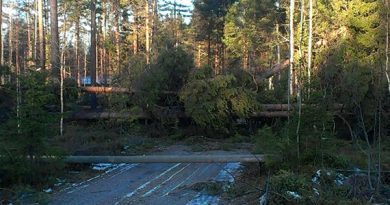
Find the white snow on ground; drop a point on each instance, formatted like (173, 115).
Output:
(49, 190)
(225, 176)
(295, 195)
(204, 199)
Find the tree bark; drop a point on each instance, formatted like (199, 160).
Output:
(291, 36)
(78, 48)
(1, 27)
(310, 43)
(93, 52)
(29, 47)
(117, 37)
(387, 46)
(54, 40)
(147, 32)
(42, 52)
(10, 38)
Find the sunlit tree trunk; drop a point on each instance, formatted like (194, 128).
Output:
(387, 45)
(147, 32)
(154, 25)
(291, 68)
(29, 46)
(35, 50)
(62, 70)
(117, 37)
(42, 53)
(54, 40)
(310, 44)
(104, 50)
(10, 37)
(78, 48)
(1, 34)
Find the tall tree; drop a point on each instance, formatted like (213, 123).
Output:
(291, 53)
(93, 51)
(41, 34)
(310, 42)
(1, 36)
(147, 32)
(54, 40)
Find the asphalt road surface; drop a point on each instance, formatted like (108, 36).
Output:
(156, 183)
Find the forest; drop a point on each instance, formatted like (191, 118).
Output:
(305, 82)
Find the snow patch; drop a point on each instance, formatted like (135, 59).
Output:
(225, 175)
(49, 190)
(263, 199)
(102, 166)
(295, 195)
(316, 191)
(204, 199)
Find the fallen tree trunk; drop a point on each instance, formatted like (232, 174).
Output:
(143, 115)
(273, 114)
(109, 115)
(272, 71)
(167, 159)
(98, 89)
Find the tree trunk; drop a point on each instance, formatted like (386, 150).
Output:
(62, 68)
(42, 53)
(147, 32)
(78, 49)
(93, 51)
(154, 25)
(10, 38)
(117, 37)
(54, 42)
(1, 27)
(310, 44)
(291, 34)
(209, 50)
(18, 90)
(29, 47)
(387, 45)
(199, 55)
(35, 50)
(85, 67)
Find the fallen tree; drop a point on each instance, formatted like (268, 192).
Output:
(97, 89)
(272, 71)
(167, 159)
(143, 115)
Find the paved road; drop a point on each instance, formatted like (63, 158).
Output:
(148, 184)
